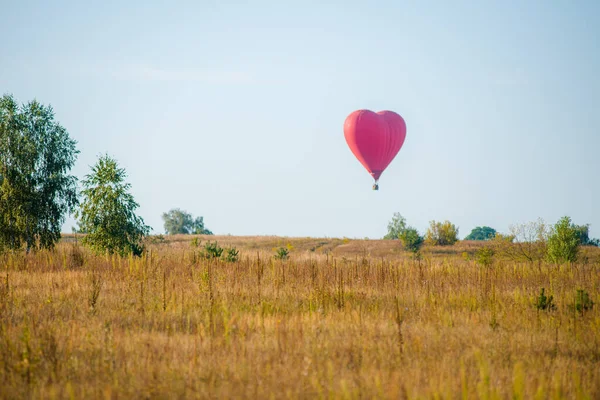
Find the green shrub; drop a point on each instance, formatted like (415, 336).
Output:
(282, 253)
(232, 255)
(442, 234)
(582, 301)
(212, 250)
(411, 240)
(485, 256)
(543, 302)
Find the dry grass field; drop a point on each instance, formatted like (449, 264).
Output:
(339, 318)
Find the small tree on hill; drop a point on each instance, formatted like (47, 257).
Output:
(36, 190)
(442, 234)
(107, 214)
(395, 227)
(563, 243)
(481, 233)
(177, 221)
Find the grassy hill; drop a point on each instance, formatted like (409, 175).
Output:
(339, 319)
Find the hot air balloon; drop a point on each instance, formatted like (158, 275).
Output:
(375, 138)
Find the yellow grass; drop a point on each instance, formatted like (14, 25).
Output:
(340, 319)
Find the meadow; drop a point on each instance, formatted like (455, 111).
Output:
(337, 318)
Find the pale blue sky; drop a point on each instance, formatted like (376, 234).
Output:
(234, 110)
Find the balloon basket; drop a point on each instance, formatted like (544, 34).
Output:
(375, 186)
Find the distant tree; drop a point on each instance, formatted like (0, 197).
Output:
(395, 227)
(36, 191)
(198, 227)
(481, 233)
(107, 214)
(177, 221)
(441, 234)
(564, 241)
(584, 236)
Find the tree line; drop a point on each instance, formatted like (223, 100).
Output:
(530, 241)
(37, 190)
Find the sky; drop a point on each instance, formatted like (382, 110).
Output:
(234, 110)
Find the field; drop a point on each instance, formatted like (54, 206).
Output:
(339, 318)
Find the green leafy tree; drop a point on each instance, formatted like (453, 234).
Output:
(441, 233)
(177, 221)
(563, 243)
(411, 240)
(107, 213)
(395, 227)
(481, 233)
(36, 190)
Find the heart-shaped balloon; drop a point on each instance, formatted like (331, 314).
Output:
(375, 138)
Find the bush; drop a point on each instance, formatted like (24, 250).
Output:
(212, 250)
(485, 256)
(526, 242)
(582, 301)
(282, 253)
(411, 240)
(543, 302)
(232, 255)
(442, 234)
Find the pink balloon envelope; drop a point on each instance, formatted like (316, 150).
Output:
(375, 138)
